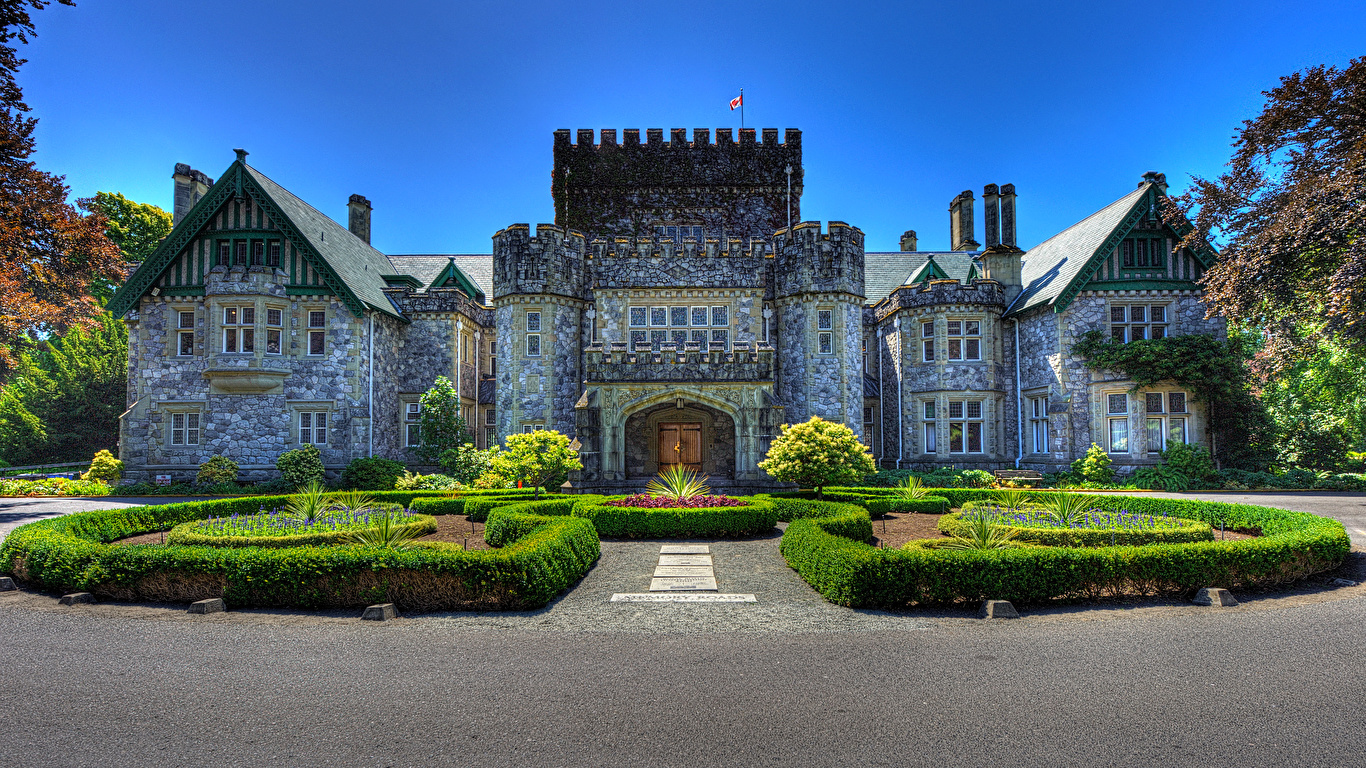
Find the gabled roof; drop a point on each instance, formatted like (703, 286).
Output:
(351, 267)
(427, 267)
(1055, 270)
(884, 272)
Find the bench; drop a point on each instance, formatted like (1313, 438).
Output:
(1028, 476)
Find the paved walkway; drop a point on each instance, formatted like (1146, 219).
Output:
(1349, 507)
(15, 511)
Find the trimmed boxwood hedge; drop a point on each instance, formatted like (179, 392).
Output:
(477, 507)
(847, 571)
(929, 505)
(757, 517)
(1192, 530)
(545, 557)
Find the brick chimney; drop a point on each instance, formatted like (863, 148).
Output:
(190, 185)
(961, 228)
(908, 240)
(991, 214)
(1001, 259)
(358, 218)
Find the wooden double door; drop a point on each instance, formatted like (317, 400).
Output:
(680, 443)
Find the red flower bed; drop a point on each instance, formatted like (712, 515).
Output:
(664, 502)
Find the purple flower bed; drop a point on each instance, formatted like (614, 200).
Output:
(647, 501)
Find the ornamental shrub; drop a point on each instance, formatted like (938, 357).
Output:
(1193, 461)
(537, 459)
(419, 482)
(817, 453)
(301, 466)
(218, 469)
(372, 474)
(105, 468)
(466, 463)
(1094, 467)
(439, 421)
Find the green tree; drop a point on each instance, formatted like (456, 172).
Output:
(440, 425)
(1318, 406)
(21, 433)
(535, 458)
(136, 228)
(465, 463)
(818, 453)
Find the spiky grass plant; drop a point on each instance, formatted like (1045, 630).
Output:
(1066, 510)
(981, 534)
(678, 483)
(387, 532)
(356, 502)
(1012, 499)
(911, 489)
(306, 506)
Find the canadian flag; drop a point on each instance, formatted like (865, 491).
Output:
(737, 101)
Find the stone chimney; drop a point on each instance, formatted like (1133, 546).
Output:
(991, 214)
(961, 229)
(908, 240)
(190, 185)
(1160, 179)
(1008, 215)
(358, 220)
(1001, 259)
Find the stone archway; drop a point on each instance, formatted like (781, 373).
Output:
(642, 430)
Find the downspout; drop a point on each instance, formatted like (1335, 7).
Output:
(370, 394)
(900, 425)
(1019, 404)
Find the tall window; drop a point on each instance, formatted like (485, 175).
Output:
(931, 432)
(1133, 322)
(258, 253)
(965, 342)
(927, 333)
(533, 337)
(239, 335)
(867, 426)
(241, 258)
(825, 326)
(185, 337)
(1038, 423)
(184, 429)
(1166, 421)
(224, 253)
(317, 333)
(273, 254)
(274, 320)
(965, 426)
(412, 431)
(1117, 406)
(313, 427)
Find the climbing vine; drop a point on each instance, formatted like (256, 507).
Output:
(1214, 372)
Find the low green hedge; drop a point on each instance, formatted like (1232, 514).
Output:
(929, 505)
(477, 507)
(546, 556)
(849, 572)
(190, 535)
(756, 517)
(1186, 532)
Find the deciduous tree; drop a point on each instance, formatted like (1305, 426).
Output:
(818, 453)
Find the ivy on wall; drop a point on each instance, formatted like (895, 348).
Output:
(1213, 371)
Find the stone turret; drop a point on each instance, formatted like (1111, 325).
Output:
(550, 262)
(819, 301)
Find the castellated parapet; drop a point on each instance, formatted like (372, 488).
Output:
(728, 188)
(808, 260)
(549, 262)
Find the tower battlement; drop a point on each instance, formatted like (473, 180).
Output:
(811, 260)
(550, 261)
(689, 248)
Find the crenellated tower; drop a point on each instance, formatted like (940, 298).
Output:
(818, 298)
(540, 296)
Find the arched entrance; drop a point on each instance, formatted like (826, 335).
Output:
(695, 435)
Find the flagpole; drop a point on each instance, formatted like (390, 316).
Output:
(742, 109)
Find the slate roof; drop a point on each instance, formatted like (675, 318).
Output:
(426, 266)
(355, 261)
(1049, 267)
(883, 272)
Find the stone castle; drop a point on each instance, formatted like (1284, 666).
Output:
(678, 311)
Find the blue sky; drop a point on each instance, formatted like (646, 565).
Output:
(442, 113)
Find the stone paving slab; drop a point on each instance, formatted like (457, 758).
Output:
(684, 597)
(685, 549)
(684, 570)
(685, 560)
(684, 584)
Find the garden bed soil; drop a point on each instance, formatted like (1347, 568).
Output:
(454, 529)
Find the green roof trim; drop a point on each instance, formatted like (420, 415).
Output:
(931, 271)
(452, 273)
(400, 281)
